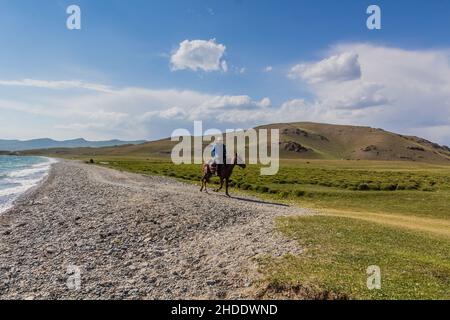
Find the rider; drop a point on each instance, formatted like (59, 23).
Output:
(219, 154)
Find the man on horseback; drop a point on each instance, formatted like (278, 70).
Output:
(219, 155)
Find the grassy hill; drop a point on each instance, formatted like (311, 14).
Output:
(326, 141)
(302, 140)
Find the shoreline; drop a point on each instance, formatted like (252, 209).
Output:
(28, 192)
(134, 237)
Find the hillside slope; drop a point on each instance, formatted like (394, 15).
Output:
(326, 141)
(304, 140)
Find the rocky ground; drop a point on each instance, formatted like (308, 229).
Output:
(133, 237)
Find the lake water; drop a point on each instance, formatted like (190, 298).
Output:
(19, 174)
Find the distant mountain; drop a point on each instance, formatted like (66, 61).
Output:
(18, 145)
(304, 140)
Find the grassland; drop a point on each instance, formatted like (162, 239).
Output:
(382, 187)
(338, 251)
(392, 214)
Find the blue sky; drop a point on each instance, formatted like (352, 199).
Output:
(128, 47)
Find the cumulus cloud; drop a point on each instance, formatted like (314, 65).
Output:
(407, 91)
(340, 67)
(268, 69)
(128, 112)
(199, 55)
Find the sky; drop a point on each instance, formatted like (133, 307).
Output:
(140, 69)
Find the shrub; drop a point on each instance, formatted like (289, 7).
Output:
(245, 186)
(299, 193)
(363, 187)
(283, 194)
(388, 187)
(262, 189)
(401, 186)
(411, 186)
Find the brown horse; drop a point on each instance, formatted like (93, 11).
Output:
(225, 174)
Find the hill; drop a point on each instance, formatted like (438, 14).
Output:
(18, 145)
(304, 140)
(327, 141)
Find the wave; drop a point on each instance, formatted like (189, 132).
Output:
(17, 182)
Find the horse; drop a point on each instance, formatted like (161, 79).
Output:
(225, 174)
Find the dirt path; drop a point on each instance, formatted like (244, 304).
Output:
(436, 226)
(133, 236)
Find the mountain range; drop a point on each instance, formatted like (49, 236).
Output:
(303, 140)
(19, 145)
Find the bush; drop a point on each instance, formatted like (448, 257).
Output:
(245, 186)
(363, 187)
(401, 186)
(388, 187)
(262, 189)
(283, 194)
(299, 193)
(411, 186)
(374, 186)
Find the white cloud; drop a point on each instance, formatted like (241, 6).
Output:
(56, 84)
(268, 69)
(199, 55)
(340, 67)
(128, 113)
(352, 95)
(406, 91)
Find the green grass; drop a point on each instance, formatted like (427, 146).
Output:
(415, 264)
(339, 250)
(399, 189)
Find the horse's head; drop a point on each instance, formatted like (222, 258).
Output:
(238, 161)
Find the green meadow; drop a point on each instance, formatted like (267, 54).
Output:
(395, 215)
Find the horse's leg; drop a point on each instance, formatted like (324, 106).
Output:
(226, 187)
(207, 176)
(221, 185)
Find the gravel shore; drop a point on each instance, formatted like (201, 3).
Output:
(133, 237)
